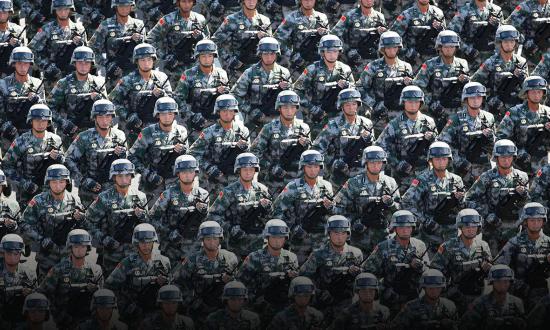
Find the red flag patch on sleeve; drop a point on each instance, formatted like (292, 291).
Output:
(424, 66)
(539, 172)
(32, 203)
(507, 113)
(221, 194)
(518, 8)
(183, 77)
(343, 18)
(284, 21)
(400, 17)
(161, 21)
(201, 136)
(366, 67)
(415, 182)
(305, 71)
(140, 136)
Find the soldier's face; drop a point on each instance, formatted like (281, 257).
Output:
(374, 167)
(350, 108)
(276, 243)
(250, 4)
(508, 46)
(169, 308)
(146, 64)
(534, 225)
(424, 2)
(268, 58)
(166, 118)
(403, 232)
(36, 317)
(312, 171)
(123, 10)
(367, 295)
(63, 13)
(440, 164)
(187, 177)
(535, 96)
(433, 293)
(82, 67)
(501, 286)
(412, 107)
(331, 56)
(247, 174)
(39, 125)
(22, 68)
(227, 116)
(338, 238)
(308, 4)
(391, 52)
(235, 304)
(103, 121)
(302, 300)
(145, 248)
(123, 180)
(211, 243)
(367, 3)
(11, 258)
(469, 232)
(58, 186)
(4, 17)
(448, 51)
(475, 102)
(104, 313)
(185, 5)
(288, 111)
(505, 162)
(206, 60)
(79, 251)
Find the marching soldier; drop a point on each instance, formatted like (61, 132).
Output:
(102, 306)
(169, 298)
(539, 190)
(36, 311)
(11, 36)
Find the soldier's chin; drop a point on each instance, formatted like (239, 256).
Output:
(123, 186)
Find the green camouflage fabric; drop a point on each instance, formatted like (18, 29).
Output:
(177, 219)
(538, 317)
(526, 129)
(461, 265)
(111, 217)
(9, 209)
(12, 31)
(290, 319)
(420, 314)
(70, 290)
(47, 218)
(301, 207)
(418, 32)
(215, 14)
(355, 317)
(464, 134)
(11, 292)
(529, 260)
(245, 320)
(237, 207)
(392, 8)
(540, 190)
(94, 324)
(89, 157)
(543, 67)
(278, 148)
(360, 201)
(487, 313)
(158, 322)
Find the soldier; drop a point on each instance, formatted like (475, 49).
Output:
(320, 83)
(345, 137)
(199, 87)
(383, 80)
(135, 95)
(281, 142)
(305, 203)
(218, 10)
(31, 153)
(36, 311)
(9, 210)
(528, 125)
(175, 35)
(232, 316)
(50, 216)
(499, 194)
(407, 137)
(73, 96)
(169, 298)
(138, 277)
(333, 267)
(17, 280)
(55, 42)
(239, 34)
(392, 8)
(71, 282)
(18, 92)
(116, 37)
(11, 35)
(300, 33)
(102, 305)
(368, 200)
(90, 155)
(464, 260)
(477, 22)
(242, 207)
(180, 210)
(203, 274)
(399, 261)
(435, 197)
(153, 10)
(503, 72)
(157, 147)
(257, 88)
(443, 77)
(532, 19)
(114, 213)
(367, 310)
(218, 145)
(528, 254)
(419, 26)
(268, 272)
(540, 189)
(497, 309)
(470, 133)
(299, 315)
(360, 30)
(543, 68)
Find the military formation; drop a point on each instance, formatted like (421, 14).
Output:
(247, 164)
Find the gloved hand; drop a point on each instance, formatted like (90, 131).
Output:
(89, 184)
(493, 220)
(233, 63)
(417, 264)
(237, 232)
(472, 53)
(197, 120)
(358, 228)
(29, 187)
(68, 127)
(277, 171)
(175, 236)
(154, 179)
(133, 122)
(354, 56)
(317, 113)
(47, 244)
(430, 226)
(170, 61)
(52, 72)
(404, 168)
(217, 9)
(298, 232)
(110, 243)
(113, 71)
(9, 132)
(213, 173)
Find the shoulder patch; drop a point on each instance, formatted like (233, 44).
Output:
(400, 18)
(225, 20)
(415, 182)
(284, 21)
(140, 136)
(32, 202)
(507, 113)
(539, 172)
(424, 66)
(449, 122)
(441, 249)
(76, 138)
(161, 21)
(183, 77)
(305, 71)
(366, 67)
(518, 8)
(220, 195)
(201, 136)
(343, 18)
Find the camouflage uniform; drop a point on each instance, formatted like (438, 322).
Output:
(48, 219)
(9, 209)
(360, 36)
(301, 207)
(12, 31)
(354, 317)
(173, 38)
(476, 31)
(153, 10)
(533, 20)
(11, 292)
(222, 319)
(68, 288)
(89, 157)
(176, 211)
(217, 10)
(463, 133)
(395, 142)
(289, 318)
(24, 159)
(540, 189)
(158, 322)
(487, 313)
(421, 314)
(240, 208)
(340, 140)
(392, 8)
(543, 67)
(418, 32)
(532, 142)
(538, 318)
(432, 200)
(111, 217)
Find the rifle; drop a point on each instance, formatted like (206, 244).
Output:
(227, 160)
(275, 283)
(537, 140)
(269, 94)
(44, 162)
(62, 58)
(452, 90)
(446, 206)
(5, 51)
(168, 155)
(13, 300)
(254, 213)
(249, 43)
(542, 33)
(372, 212)
(426, 35)
(109, 157)
(507, 89)
(18, 106)
(404, 279)
(310, 39)
(185, 42)
(124, 228)
(292, 151)
(148, 286)
(124, 47)
(392, 91)
(202, 100)
(330, 95)
(508, 205)
(84, 103)
(146, 103)
(538, 267)
(417, 149)
(188, 218)
(313, 219)
(337, 279)
(209, 287)
(484, 37)
(4, 229)
(353, 151)
(80, 296)
(366, 47)
(478, 144)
